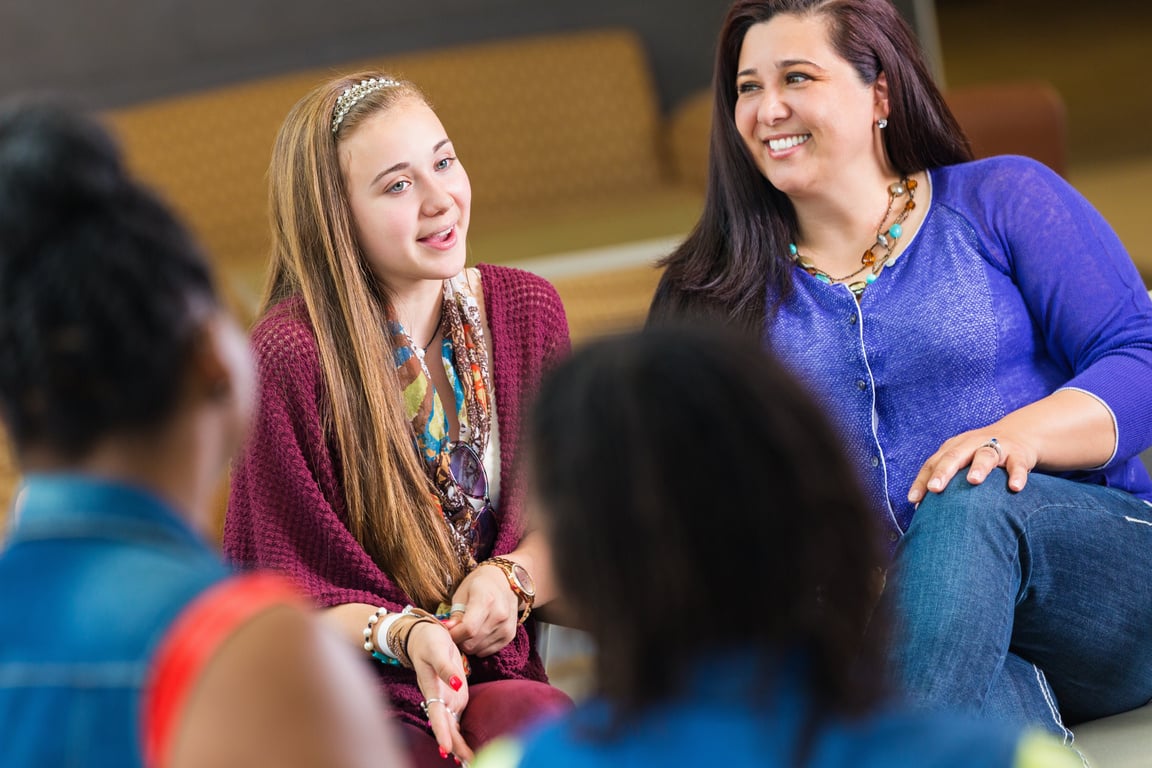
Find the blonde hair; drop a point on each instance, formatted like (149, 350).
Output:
(391, 505)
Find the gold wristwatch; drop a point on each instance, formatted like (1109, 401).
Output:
(519, 580)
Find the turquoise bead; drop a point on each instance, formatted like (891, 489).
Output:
(823, 278)
(896, 230)
(385, 659)
(871, 278)
(792, 249)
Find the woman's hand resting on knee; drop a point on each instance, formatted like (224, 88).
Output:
(1067, 430)
(440, 675)
(981, 450)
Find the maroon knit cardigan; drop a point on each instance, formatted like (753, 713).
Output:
(287, 508)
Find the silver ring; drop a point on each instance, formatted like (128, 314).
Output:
(457, 608)
(994, 444)
(424, 705)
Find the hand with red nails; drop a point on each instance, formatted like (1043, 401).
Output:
(440, 674)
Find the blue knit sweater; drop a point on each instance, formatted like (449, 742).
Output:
(1013, 287)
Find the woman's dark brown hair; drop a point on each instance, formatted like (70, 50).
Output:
(737, 255)
(698, 504)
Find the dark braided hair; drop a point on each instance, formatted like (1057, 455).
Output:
(101, 287)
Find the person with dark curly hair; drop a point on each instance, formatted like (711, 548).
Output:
(124, 388)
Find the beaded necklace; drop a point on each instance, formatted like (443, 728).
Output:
(885, 240)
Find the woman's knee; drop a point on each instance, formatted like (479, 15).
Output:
(508, 706)
(963, 510)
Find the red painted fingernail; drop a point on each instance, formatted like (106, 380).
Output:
(457, 760)
(455, 682)
(443, 753)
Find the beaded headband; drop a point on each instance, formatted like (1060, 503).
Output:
(353, 94)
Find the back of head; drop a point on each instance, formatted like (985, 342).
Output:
(101, 289)
(698, 503)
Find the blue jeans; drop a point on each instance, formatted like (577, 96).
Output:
(1033, 606)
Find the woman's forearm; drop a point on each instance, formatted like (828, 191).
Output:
(1069, 429)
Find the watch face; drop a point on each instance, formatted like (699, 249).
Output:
(520, 573)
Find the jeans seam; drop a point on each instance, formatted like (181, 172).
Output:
(1053, 710)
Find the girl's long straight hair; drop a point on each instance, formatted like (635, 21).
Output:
(391, 505)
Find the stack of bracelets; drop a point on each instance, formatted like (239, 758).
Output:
(395, 628)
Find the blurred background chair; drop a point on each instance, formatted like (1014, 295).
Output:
(1014, 118)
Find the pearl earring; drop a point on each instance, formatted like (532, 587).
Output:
(882, 123)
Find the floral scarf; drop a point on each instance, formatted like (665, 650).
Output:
(465, 359)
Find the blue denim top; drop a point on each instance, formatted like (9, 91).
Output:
(92, 575)
(1013, 287)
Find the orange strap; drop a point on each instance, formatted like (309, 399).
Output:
(189, 644)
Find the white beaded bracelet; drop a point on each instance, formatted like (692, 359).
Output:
(384, 618)
(380, 613)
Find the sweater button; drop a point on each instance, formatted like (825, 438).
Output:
(893, 536)
(861, 384)
(875, 461)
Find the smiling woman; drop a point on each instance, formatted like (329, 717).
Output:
(794, 91)
(380, 472)
(978, 333)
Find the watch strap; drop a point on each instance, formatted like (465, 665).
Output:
(507, 567)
